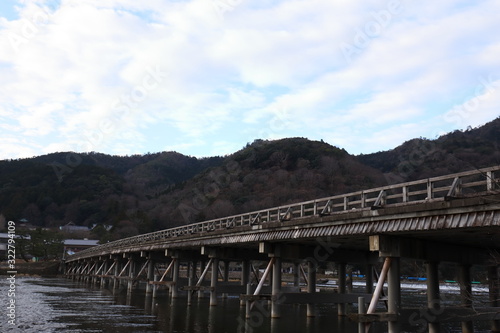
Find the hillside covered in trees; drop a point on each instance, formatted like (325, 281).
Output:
(142, 193)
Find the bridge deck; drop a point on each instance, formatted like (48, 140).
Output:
(459, 209)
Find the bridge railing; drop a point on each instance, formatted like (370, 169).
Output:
(436, 188)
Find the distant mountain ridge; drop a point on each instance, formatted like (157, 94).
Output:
(142, 193)
(450, 153)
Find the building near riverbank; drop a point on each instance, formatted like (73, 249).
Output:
(72, 246)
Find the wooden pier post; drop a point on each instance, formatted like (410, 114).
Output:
(85, 273)
(245, 277)
(394, 294)
(276, 287)
(433, 299)
(361, 311)
(131, 274)
(115, 274)
(247, 302)
(190, 292)
(226, 275)
(155, 287)
(191, 279)
(465, 294)
(103, 271)
(311, 286)
(202, 268)
(150, 276)
(175, 278)
(342, 283)
(213, 282)
(494, 286)
(296, 274)
(93, 272)
(369, 279)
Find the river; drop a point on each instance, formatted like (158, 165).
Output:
(61, 305)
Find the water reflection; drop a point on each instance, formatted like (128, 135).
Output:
(60, 305)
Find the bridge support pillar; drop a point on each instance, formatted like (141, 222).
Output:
(394, 294)
(174, 291)
(276, 288)
(116, 270)
(213, 282)
(226, 275)
(248, 305)
(155, 287)
(92, 272)
(190, 292)
(191, 279)
(390, 249)
(369, 279)
(81, 274)
(342, 283)
(88, 273)
(311, 286)
(274, 269)
(79, 271)
(245, 277)
(103, 271)
(131, 273)
(494, 286)
(464, 280)
(96, 272)
(433, 299)
(296, 274)
(150, 276)
(202, 268)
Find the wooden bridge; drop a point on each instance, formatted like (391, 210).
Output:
(453, 218)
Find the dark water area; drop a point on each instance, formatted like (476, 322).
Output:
(61, 305)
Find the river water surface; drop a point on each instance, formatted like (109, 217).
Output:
(61, 305)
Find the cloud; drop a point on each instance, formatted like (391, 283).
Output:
(76, 75)
(478, 108)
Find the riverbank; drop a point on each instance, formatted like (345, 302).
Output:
(41, 268)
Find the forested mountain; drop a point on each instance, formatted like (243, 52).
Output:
(142, 193)
(87, 189)
(454, 152)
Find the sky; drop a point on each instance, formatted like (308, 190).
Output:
(206, 77)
